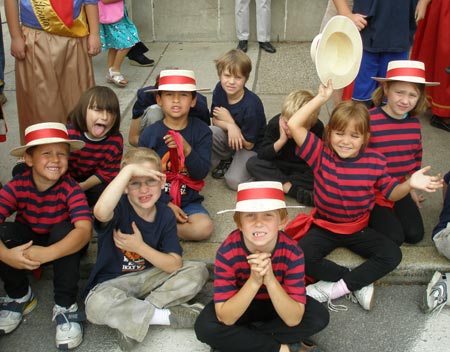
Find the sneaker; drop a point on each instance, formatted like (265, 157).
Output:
(184, 315)
(436, 295)
(243, 45)
(364, 297)
(13, 310)
(221, 169)
(69, 332)
(321, 292)
(304, 346)
(442, 241)
(125, 343)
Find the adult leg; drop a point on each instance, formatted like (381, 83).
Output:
(385, 221)
(409, 216)
(242, 18)
(263, 20)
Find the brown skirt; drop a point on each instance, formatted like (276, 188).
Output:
(51, 78)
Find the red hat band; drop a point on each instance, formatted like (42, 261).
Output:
(406, 72)
(176, 80)
(260, 193)
(45, 133)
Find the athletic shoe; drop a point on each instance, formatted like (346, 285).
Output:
(126, 343)
(364, 297)
(13, 310)
(69, 332)
(184, 315)
(436, 295)
(321, 292)
(221, 169)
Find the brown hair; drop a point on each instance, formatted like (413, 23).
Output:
(141, 155)
(421, 105)
(100, 97)
(236, 61)
(343, 114)
(282, 212)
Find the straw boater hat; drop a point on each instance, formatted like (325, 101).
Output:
(337, 52)
(260, 196)
(46, 133)
(177, 81)
(406, 71)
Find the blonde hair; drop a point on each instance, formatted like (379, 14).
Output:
(282, 212)
(343, 114)
(236, 61)
(421, 105)
(294, 101)
(141, 155)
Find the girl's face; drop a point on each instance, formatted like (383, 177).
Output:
(347, 143)
(402, 97)
(233, 85)
(99, 122)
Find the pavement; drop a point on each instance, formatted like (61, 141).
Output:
(395, 324)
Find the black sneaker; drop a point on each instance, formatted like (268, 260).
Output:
(221, 169)
(141, 60)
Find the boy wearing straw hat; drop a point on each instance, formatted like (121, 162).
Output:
(184, 145)
(53, 222)
(260, 301)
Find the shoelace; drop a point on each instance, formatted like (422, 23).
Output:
(61, 311)
(439, 294)
(331, 306)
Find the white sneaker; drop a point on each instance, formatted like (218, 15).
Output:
(13, 310)
(436, 295)
(320, 291)
(364, 296)
(69, 332)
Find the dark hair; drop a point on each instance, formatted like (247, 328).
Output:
(194, 93)
(102, 98)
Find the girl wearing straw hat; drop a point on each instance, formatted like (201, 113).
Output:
(395, 132)
(346, 176)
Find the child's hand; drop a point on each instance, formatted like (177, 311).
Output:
(170, 142)
(325, 91)
(137, 170)
(15, 257)
(18, 48)
(426, 183)
(417, 198)
(128, 242)
(283, 136)
(260, 264)
(180, 215)
(222, 114)
(94, 44)
(38, 254)
(235, 138)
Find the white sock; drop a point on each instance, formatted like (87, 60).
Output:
(160, 317)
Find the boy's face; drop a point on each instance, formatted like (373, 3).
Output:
(233, 85)
(175, 105)
(48, 162)
(260, 229)
(144, 192)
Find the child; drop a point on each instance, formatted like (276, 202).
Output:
(95, 120)
(276, 159)
(53, 46)
(53, 222)
(346, 175)
(117, 38)
(139, 278)
(184, 145)
(437, 293)
(238, 119)
(259, 291)
(146, 111)
(395, 132)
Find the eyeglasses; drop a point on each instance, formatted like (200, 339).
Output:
(134, 185)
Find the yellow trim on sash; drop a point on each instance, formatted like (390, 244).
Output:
(51, 23)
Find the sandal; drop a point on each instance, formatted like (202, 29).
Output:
(117, 78)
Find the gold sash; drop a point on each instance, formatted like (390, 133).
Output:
(51, 23)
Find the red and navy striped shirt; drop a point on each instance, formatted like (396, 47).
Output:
(231, 269)
(400, 141)
(344, 189)
(99, 158)
(64, 201)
